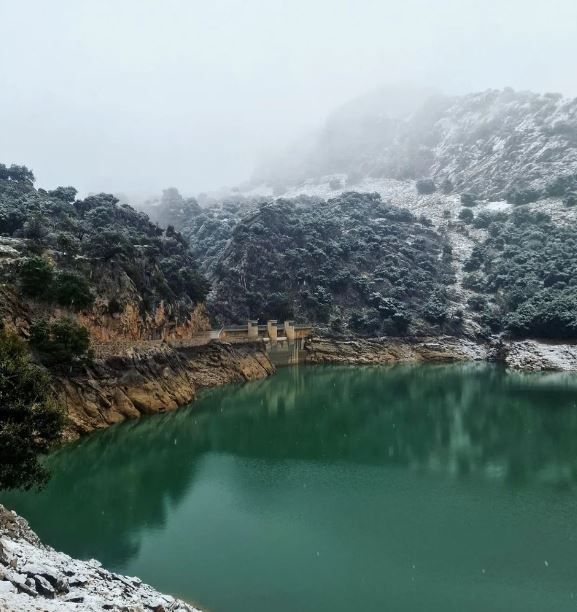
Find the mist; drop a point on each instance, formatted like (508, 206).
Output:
(139, 95)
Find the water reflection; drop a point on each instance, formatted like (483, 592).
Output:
(467, 421)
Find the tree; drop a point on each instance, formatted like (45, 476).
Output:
(61, 341)
(72, 290)
(466, 215)
(426, 186)
(469, 199)
(30, 421)
(66, 194)
(35, 276)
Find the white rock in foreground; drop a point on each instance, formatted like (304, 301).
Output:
(34, 577)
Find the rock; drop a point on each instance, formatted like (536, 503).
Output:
(392, 350)
(7, 587)
(35, 577)
(153, 378)
(44, 587)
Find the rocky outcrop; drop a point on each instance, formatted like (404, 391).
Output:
(149, 378)
(527, 355)
(36, 577)
(391, 350)
(532, 355)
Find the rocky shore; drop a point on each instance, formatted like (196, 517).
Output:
(528, 355)
(34, 577)
(154, 378)
(148, 380)
(392, 350)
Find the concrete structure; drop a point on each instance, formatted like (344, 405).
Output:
(283, 342)
(272, 330)
(289, 330)
(252, 330)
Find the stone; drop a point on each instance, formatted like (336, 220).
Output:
(43, 587)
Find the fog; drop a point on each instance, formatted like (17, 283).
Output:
(136, 95)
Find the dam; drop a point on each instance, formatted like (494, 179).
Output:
(283, 342)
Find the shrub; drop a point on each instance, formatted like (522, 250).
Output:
(435, 310)
(570, 199)
(30, 421)
(426, 186)
(519, 196)
(72, 290)
(469, 199)
(35, 276)
(466, 215)
(61, 341)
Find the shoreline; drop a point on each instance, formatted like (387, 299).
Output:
(157, 379)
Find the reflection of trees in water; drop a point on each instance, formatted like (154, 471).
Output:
(458, 419)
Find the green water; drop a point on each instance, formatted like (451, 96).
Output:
(424, 488)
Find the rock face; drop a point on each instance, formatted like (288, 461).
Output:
(36, 577)
(527, 355)
(540, 356)
(152, 378)
(392, 350)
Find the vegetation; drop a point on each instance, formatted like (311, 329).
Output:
(61, 341)
(77, 249)
(528, 266)
(426, 186)
(30, 422)
(349, 264)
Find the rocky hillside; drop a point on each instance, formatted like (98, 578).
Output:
(496, 144)
(489, 177)
(94, 260)
(352, 263)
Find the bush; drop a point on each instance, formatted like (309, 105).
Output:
(35, 277)
(522, 196)
(61, 341)
(469, 199)
(435, 310)
(30, 421)
(72, 290)
(570, 199)
(426, 186)
(466, 215)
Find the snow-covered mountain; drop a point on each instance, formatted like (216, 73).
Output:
(497, 144)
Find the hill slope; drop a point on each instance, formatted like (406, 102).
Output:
(496, 144)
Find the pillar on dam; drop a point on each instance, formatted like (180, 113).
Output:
(252, 330)
(271, 327)
(289, 330)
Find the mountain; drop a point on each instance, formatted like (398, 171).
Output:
(497, 144)
(481, 187)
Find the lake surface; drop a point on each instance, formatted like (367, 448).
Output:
(407, 488)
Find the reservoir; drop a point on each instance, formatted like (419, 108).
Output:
(407, 488)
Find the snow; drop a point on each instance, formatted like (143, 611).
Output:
(34, 577)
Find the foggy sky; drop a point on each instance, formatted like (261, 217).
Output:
(137, 95)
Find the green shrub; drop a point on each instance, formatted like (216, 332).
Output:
(469, 199)
(426, 186)
(35, 277)
(30, 421)
(72, 290)
(466, 215)
(61, 341)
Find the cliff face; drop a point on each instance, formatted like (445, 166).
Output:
(153, 378)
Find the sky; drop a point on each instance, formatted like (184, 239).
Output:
(133, 96)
